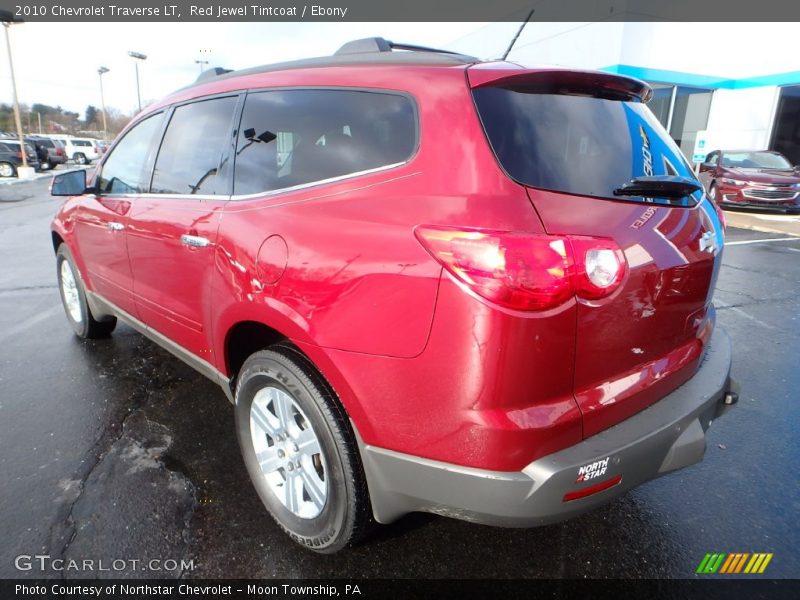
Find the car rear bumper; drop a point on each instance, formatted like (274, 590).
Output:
(666, 436)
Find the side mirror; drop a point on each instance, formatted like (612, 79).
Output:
(71, 183)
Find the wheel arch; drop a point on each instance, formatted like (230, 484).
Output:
(249, 335)
(57, 240)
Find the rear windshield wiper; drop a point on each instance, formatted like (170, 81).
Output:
(658, 186)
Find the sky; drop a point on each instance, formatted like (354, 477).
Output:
(56, 63)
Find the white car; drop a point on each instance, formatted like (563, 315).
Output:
(82, 150)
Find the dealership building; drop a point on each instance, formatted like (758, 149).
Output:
(739, 82)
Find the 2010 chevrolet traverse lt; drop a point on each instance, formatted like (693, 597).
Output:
(428, 283)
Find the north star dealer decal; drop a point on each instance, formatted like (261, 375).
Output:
(592, 470)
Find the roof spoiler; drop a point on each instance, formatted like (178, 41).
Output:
(561, 81)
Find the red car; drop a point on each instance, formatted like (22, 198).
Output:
(427, 283)
(751, 178)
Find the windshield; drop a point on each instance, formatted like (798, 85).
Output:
(577, 144)
(755, 160)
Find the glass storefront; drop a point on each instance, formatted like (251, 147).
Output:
(786, 133)
(682, 110)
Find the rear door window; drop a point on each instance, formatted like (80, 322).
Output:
(294, 137)
(189, 160)
(576, 144)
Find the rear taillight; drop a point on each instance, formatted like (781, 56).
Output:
(19, 155)
(600, 266)
(59, 152)
(526, 271)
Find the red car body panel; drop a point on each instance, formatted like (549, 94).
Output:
(636, 345)
(173, 282)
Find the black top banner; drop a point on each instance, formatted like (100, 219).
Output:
(406, 10)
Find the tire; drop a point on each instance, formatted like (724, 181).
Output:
(73, 298)
(310, 444)
(712, 192)
(80, 159)
(7, 170)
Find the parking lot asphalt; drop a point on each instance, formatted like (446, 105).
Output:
(113, 449)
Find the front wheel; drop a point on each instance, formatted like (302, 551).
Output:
(73, 297)
(299, 450)
(712, 192)
(80, 159)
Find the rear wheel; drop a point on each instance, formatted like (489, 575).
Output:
(7, 170)
(80, 158)
(73, 297)
(299, 450)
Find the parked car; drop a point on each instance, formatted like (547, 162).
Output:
(55, 151)
(426, 283)
(752, 178)
(80, 150)
(11, 157)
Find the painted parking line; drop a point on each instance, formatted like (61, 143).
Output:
(765, 241)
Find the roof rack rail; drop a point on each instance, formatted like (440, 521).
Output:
(211, 73)
(379, 44)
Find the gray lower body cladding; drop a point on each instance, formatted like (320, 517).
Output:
(666, 436)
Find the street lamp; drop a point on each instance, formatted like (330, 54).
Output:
(137, 56)
(100, 72)
(205, 54)
(8, 19)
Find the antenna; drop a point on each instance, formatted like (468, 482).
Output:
(521, 27)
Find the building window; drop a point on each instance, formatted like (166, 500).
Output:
(689, 115)
(786, 131)
(682, 110)
(661, 102)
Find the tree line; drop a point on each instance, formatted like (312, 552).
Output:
(55, 119)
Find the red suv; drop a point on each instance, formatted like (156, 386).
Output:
(426, 283)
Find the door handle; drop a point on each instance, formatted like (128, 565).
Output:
(113, 226)
(194, 241)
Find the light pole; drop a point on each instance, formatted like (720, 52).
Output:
(100, 72)
(201, 63)
(137, 56)
(8, 19)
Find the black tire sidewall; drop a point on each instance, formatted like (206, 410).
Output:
(81, 329)
(325, 531)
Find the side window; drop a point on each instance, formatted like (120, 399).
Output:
(189, 158)
(292, 137)
(125, 171)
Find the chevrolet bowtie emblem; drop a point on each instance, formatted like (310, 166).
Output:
(708, 242)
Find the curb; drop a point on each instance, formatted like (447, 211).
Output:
(740, 221)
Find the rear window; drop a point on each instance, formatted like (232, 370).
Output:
(575, 144)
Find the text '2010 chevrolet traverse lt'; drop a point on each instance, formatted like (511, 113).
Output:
(427, 283)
